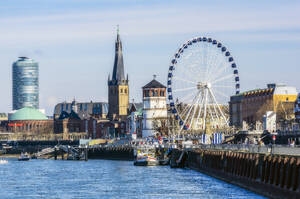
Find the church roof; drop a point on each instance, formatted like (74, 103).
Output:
(118, 71)
(72, 115)
(84, 109)
(154, 84)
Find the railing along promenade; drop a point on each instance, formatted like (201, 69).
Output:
(250, 148)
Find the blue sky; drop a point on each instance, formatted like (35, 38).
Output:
(73, 41)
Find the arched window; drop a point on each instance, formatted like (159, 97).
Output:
(125, 90)
(121, 91)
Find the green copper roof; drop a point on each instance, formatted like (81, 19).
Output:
(28, 113)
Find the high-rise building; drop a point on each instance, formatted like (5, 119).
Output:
(25, 78)
(118, 90)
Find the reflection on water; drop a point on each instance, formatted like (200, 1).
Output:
(108, 179)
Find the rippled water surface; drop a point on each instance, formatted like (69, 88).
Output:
(108, 179)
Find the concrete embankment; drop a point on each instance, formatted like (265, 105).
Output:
(111, 153)
(274, 176)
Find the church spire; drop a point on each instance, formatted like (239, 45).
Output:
(118, 71)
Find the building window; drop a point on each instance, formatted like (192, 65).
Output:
(121, 90)
(125, 90)
(80, 107)
(85, 107)
(162, 93)
(67, 106)
(62, 107)
(152, 92)
(287, 99)
(155, 93)
(147, 93)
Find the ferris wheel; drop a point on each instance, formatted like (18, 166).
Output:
(201, 78)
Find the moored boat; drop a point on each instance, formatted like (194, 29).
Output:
(146, 159)
(24, 157)
(2, 161)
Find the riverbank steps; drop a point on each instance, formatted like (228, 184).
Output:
(274, 176)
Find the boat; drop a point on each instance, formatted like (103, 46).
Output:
(24, 157)
(145, 159)
(2, 161)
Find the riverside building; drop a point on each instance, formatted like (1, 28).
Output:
(251, 106)
(25, 77)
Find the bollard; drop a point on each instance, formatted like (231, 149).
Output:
(296, 185)
(249, 165)
(252, 164)
(267, 171)
(283, 172)
(272, 169)
(290, 172)
(245, 169)
(263, 168)
(278, 170)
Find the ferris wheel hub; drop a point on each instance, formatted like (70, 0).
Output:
(203, 85)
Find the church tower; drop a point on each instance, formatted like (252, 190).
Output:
(118, 90)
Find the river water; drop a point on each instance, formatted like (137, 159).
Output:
(108, 179)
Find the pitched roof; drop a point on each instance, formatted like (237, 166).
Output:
(84, 108)
(135, 106)
(154, 84)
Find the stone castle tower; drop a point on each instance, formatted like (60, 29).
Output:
(154, 107)
(118, 90)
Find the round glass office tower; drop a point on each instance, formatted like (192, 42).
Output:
(25, 83)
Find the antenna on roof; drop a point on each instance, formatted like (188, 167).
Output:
(118, 29)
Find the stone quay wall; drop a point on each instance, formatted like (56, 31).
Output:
(274, 176)
(111, 153)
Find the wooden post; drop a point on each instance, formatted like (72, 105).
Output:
(55, 154)
(86, 153)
